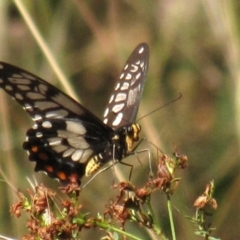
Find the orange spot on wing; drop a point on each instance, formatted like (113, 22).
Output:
(34, 148)
(49, 168)
(61, 175)
(73, 178)
(43, 156)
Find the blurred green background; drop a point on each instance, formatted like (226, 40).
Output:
(194, 49)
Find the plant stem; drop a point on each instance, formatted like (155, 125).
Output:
(171, 217)
(156, 226)
(110, 227)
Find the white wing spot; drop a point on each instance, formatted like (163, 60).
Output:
(118, 107)
(54, 141)
(117, 86)
(129, 76)
(118, 119)
(141, 50)
(125, 86)
(28, 107)
(105, 120)
(37, 117)
(78, 142)
(39, 134)
(121, 76)
(47, 124)
(138, 75)
(8, 87)
(44, 105)
(26, 75)
(106, 112)
(33, 95)
(18, 96)
(15, 75)
(86, 154)
(134, 68)
(59, 148)
(111, 98)
(77, 155)
(132, 96)
(19, 81)
(75, 127)
(126, 67)
(65, 134)
(57, 114)
(42, 88)
(67, 103)
(120, 97)
(68, 152)
(23, 87)
(142, 65)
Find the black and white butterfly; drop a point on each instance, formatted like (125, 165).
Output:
(67, 140)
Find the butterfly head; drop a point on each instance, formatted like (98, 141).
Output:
(132, 135)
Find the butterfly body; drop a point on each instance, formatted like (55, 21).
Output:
(67, 140)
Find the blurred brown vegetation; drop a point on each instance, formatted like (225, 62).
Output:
(194, 49)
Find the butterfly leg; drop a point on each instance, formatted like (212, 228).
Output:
(100, 171)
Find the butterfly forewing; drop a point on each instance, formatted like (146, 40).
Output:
(40, 99)
(124, 101)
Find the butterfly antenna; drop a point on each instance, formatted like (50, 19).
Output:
(166, 104)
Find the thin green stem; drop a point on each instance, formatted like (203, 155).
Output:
(156, 226)
(171, 217)
(110, 227)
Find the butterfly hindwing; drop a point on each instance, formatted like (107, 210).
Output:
(65, 134)
(62, 148)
